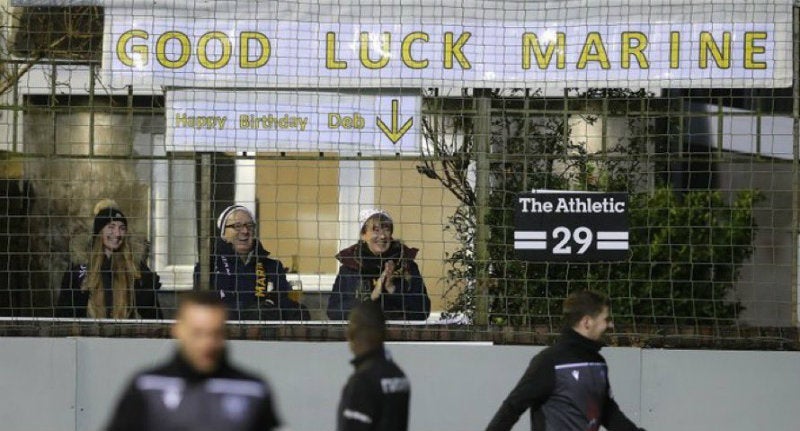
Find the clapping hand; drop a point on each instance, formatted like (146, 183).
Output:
(384, 282)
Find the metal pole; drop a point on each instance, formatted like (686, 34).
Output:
(795, 160)
(15, 113)
(481, 153)
(91, 109)
(205, 234)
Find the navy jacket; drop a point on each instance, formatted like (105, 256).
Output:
(355, 282)
(176, 397)
(566, 389)
(376, 397)
(255, 290)
(72, 300)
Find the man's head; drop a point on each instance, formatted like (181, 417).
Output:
(237, 226)
(366, 330)
(587, 312)
(376, 230)
(200, 330)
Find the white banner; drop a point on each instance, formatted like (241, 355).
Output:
(272, 121)
(143, 49)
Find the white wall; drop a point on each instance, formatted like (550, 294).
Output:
(65, 384)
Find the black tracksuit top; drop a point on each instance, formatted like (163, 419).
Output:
(376, 396)
(566, 388)
(174, 397)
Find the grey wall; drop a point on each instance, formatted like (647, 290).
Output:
(72, 384)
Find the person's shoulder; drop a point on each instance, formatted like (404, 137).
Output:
(162, 376)
(549, 355)
(407, 252)
(390, 378)
(238, 380)
(264, 257)
(383, 367)
(348, 270)
(348, 257)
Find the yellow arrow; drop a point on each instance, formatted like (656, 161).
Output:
(394, 134)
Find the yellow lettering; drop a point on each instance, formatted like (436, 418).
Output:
(721, 57)
(454, 50)
(244, 49)
(751, 49)
(405, 51)
(202, 50)
(141, 50)
(531, 42)
(161, 52)
(637, 50)
(386, 39)
(330, 53)
(593, 50)
(674, 50)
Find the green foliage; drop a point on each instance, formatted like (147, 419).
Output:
(687, 247)
(686, 253)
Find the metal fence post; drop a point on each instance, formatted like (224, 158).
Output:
(205, 233)
(481, 149)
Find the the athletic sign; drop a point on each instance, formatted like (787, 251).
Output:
(571, 226)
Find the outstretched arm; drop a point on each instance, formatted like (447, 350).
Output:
(531, 391)
(614, 419)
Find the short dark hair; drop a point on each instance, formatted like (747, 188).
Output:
(583, 303)
(367, 323)
(205, 298)
(378, 218)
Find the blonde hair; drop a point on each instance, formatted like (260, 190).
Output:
(124, 273)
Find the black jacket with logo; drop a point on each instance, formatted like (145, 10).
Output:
(566, 388)
(376, 396)
(175, 397)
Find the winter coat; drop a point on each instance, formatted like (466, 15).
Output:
(72, 299)
(176, 397)
(252, 290)
(360, 270)
(376, 396)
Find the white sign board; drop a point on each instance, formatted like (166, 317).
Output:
(723, 50)
(269, 121)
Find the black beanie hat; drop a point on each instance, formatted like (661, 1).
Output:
(106, 214)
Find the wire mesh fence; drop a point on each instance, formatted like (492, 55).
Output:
(326, 155)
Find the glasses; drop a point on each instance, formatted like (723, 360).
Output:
(238, 227)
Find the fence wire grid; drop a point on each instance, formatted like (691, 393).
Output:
(355, 133)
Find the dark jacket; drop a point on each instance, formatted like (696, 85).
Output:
(72, 300)
(376, 397)
(566, 388)
(360, 270)
(176, 397)
(252, 290)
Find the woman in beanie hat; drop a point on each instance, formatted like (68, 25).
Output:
(113, 284)
(380, 269)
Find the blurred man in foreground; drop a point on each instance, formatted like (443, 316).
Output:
(198, 389)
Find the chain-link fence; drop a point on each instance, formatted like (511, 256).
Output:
(328, 155)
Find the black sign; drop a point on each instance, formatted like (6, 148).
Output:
(571, 226)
